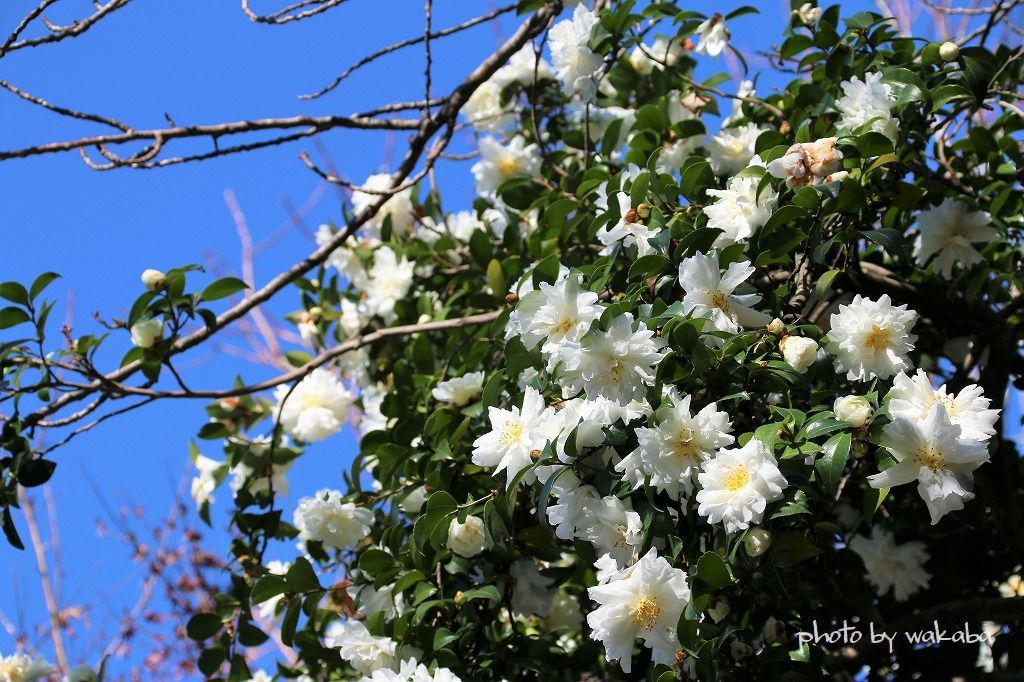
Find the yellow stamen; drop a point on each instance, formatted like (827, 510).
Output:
(646, 613)
(878, 339)
(931, 458)
(721, 301)
(510, 432)
(737, 478)
(508, 166)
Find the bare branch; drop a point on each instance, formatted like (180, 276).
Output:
(285, 14)
(58, 33)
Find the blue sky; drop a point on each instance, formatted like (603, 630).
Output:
(201, 62)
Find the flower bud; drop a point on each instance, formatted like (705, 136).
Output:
(718, 608)
(799, 352)
(808, 14)
(145, 333)
(414, 501)
(154, 280)
(776, 326)
(757, 541)
(467, 539)
(644, 210)
(773, 631)
(854, 409)
(316, 312)
(949, 51)
(838, 176)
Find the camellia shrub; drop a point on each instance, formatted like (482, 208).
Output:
(706, 384)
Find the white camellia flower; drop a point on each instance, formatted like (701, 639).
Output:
(629, 230)
(855, 409)
(714, 36)
(315, 409)
(675, 152)
(707, 290)
(576, 65)
(514, 435)
(948, 232)
(672, 452)
(325, 518)
(344, 258)
(617, 364)
(645, 601)
(531, 589)
(913, 398)
(867, 100)
(521, 68)
(242, 475)
(145, 333)
(467, 539)
(662, 52)
(739, 212)
(365, 652)
(499, 163)
(871, 339)
(891, 566)
(808, 14)
(154, 280)
(484, 109)
(1012, 587)
(737, 485)
(564, 613)
(932, 452)
(372, 419)
(613, 528)
(398, 206)
(732, 148)
(411, 671)
(21, 667)
(558, 313)
(460, 390)
(460, 225)
(371, 600)
(205, 483)
(807, 163)
(567, 516)
(799, 352)
(387, 282)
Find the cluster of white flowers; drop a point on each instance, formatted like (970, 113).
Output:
(576, 65)
(411, 671)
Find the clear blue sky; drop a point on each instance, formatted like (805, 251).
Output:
(201, 62)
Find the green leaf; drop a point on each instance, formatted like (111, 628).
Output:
(10, 531)
(825, 283)
(203, 626)
(712, 569)
(297, 358)
(373, 562)
(792, 547)
(268, 587)
(11, 317)
(222, 288)
(485, 592)
(651, 264)
(496, 277)
(35, 472)
(832, 462)
(40, 283)
(820, 424)
(301, 577)
(14, 292)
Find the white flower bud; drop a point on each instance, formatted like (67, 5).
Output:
(854, 409)
(757, 541)
(838, 176)
(799, 351)
(949, 51)
(718, 608)
(413, 502)
(145, 333)
(467, 539)
(154, 280)
(808, 14)
(773, 631)
(776, 326)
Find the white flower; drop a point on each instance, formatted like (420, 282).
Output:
(807, 163)
(351, 319)
(344, 258)
(707, 290)
(531, 590)
(732, 148)
(559, 313)
(467, 539)
(799, 352)
(629, 230)
(617, 364)
(372, 600)
(871, 338)
(154, 280)
(325, 518)
(613, 528)
(460, 226)
(855, 409)
(672, 452)
(867, 100)
(738, 484)
(521, 67)
(644, 601)
(575, 64)
(411, 671)
(315, 409)
(21, 667)
(948, 232)
(514, 435)
(460, 390)
(500, 163)
(714, 36)
(757, 541)
(739, 211)
(808, 14)
(372, 418)
(387, 282)
(914, 397)
(242, 475)
(261, 676)
(674, 153)
(599, 119)
(568, 515)
(891, 566)
(398, 206)
(663, 52)
(932, 452)
(362, 650)
(414, 501)
(205, 483)
(484, 109)
(1013, 587)
(564, 612)
(145, 333)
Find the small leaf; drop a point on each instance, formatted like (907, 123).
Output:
(10, 317)
(14, 292)
(223, 288)
(301, 577)
(832, 462)
(711, 569)
(202, 626)
(41, 282)
(268, 587)
(10, 531)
